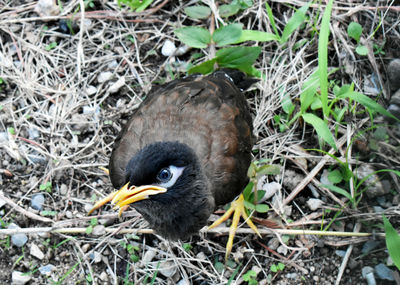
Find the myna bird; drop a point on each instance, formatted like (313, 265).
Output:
(184, 151)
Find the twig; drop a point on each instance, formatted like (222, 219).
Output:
(219, 230)
(25, 212)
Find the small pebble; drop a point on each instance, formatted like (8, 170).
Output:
(113, 64)
(384, 272)
(89, 110)
(37, 201)
(95, 256)
(2, 202)
(340, 253)
(314, 204)
(394, 74)
(378, 209)
(3, 135)
(148, 256)
(18, 239)
(104, 76)
(114, 88)
(167, 268)
(168, 48)
(273, 243)
(270, 190)
(99, 230)
(20, 278)
(182, 282)
(33, 134)
(282, 250)
(91, 90)
(36, 252)
(103, 276)
(369, 246)
(46, 269)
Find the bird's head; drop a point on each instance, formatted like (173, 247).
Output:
(165, 183)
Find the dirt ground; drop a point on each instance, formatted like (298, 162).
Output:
(65, 96)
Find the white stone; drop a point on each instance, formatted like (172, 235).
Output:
(91, 90)
(167, 268)
(168, 48)
(19, 278)
(104, 76)
(36, 252)
(314, 204)
(148, 256)
(114, 88)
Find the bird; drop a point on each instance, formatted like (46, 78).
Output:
(185, 151)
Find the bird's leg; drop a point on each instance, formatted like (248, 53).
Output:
(237, 208)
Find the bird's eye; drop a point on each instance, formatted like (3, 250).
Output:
(167, 176)
(164, 175)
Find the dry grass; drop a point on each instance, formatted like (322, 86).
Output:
(65, 122)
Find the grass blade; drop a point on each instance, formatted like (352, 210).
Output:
(294, 22)
(321, 127)
(392, 242)
(323, 58)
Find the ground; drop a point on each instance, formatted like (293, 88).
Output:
(66, 91)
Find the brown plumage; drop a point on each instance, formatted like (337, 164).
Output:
(202, 127)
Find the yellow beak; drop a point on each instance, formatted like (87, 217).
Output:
(126, 196)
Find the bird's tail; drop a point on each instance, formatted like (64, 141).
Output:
(238, 77)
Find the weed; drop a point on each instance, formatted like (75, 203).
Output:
(47, 187)
(250, 277)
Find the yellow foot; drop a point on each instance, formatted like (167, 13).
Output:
(238, 208)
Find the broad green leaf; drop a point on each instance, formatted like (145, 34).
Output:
(260, 195)
(338, 190)
(335, 176)
(269, 169)
(247, 191)
(194, 36)
(321, 127)
(354, 30)
(226, 35)
(367, 103)
(258, 36)
(323, 58)
(251, 71)
(249, 205)
(198, 12)
(204, 67)
(287, 104)
(235, 57)
(262, 208)
(227, 10)
(362, 50)
(294, 22)
(244, 4)
(316, 104)
(392, 242)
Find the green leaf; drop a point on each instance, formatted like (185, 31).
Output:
(287, 104)
(323, 58)
(249, 205)
(367, 103)
(93, 222)
(271, 18)
(354, 30)
(236, 57)
(89, 230)
(11, 131)
(392, 242)
(258, 36)
(362, 50)
(249, 275)
(338, 190)
(247, 190)
(335, 176)
(204, 67)
(308, 92)
(194, 36)
(228, 10)
(294, 22)
(268, 169)
(262, 208)
(321, 127)
(226, 35)
(198, 12)
(281, 266)
(274, 268)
